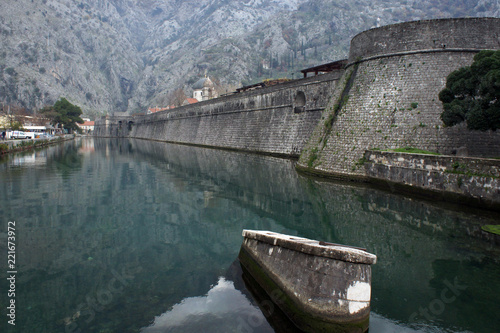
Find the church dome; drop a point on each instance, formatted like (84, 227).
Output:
(204, 82)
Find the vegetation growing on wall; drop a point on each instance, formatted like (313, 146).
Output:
(472, 94)
(494, 229)
(412, 150)
(342, 100)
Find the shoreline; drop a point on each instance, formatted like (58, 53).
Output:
(12, 146)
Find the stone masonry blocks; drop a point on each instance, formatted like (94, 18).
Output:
(393, 100)
(263, 120)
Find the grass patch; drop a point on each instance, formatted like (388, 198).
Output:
(24, 144)
(494, 229)
(412, 150)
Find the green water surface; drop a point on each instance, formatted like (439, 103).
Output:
(138, 236)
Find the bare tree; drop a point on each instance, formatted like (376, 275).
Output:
(177, 97)
(223, 88)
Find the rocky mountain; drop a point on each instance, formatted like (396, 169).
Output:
(126, 55)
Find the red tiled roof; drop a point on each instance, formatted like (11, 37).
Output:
(88, 123)
(191, 100)
(157, 109)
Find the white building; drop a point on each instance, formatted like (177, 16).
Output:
(87, 126)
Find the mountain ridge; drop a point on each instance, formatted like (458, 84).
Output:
(116, 55)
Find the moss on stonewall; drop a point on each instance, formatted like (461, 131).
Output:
(494, 229)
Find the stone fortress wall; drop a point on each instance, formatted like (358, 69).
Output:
(388, 96)
(385, 98)
(275, 120)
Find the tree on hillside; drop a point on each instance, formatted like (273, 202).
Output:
(64, 114)
(472, 94)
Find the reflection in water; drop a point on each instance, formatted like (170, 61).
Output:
(381, 324)
(223, 309)
(31, 158)
(114, 233)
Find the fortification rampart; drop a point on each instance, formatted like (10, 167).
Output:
(390, 95)
(275, 120)
(427, 36)
(386, 98)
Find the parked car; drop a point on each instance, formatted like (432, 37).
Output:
(19, 135)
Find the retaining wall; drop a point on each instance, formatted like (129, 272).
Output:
(452, 178)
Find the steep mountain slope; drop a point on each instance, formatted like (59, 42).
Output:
(125, 55)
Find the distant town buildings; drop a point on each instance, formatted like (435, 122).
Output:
(203, 89)
(187, 101)
(87, 126)
(36, 124)
(157, 109)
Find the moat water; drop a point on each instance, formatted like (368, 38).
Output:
(139, 236)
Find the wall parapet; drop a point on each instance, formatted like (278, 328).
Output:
(231, 103)
(417, 36)
(413, 52)
(456, 179)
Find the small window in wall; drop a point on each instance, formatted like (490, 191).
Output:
(299, 103)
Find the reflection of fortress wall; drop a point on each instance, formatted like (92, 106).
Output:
(391, 100)
(408, 237)
(410, 240)
(75, 244)
(266, 184)
(274, 120)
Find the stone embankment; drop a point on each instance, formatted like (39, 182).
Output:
(450, 178)
(9, 146)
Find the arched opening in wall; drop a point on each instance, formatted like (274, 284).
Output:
(129, 125)
(299, 103)
(120, 124)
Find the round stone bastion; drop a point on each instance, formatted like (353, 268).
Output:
(439, 35)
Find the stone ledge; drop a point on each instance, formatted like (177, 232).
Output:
(460, 179)
(313, 247)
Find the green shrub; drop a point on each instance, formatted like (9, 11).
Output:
(472, 94)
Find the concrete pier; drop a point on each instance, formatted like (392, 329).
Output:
(321, 287)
